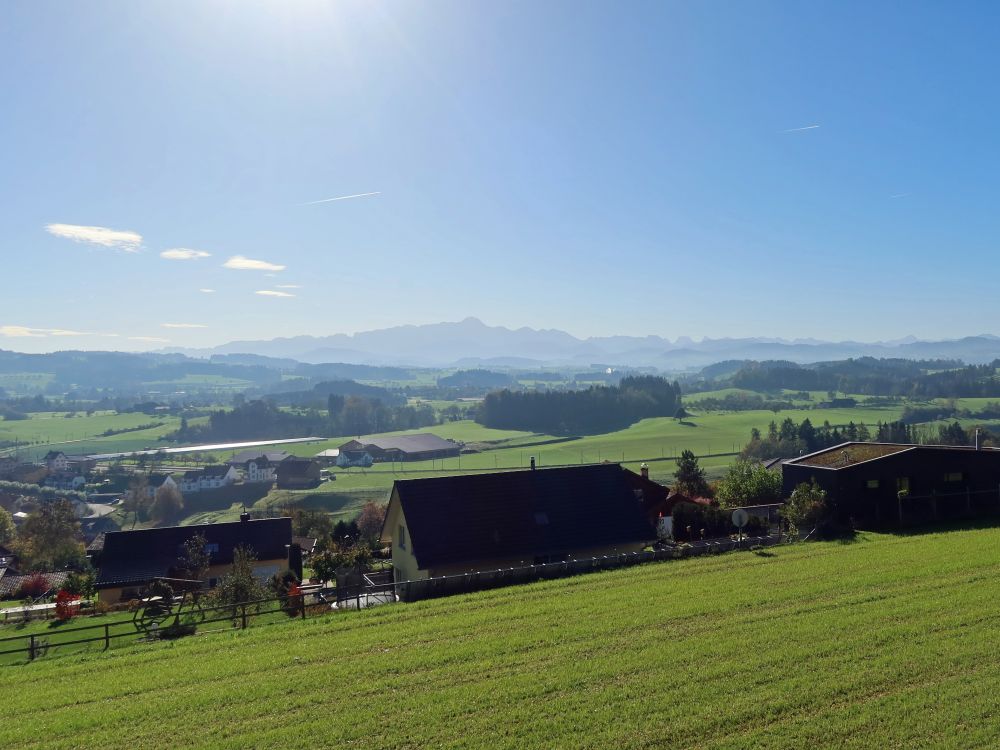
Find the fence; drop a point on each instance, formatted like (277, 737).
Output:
(486, 579)
(373, 589)
(105, 635)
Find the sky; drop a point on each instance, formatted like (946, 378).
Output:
(702, 169)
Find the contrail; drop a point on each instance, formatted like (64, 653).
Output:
(796, 130)
(345, 197)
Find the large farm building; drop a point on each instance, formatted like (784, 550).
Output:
(420, 447)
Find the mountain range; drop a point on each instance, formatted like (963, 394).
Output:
(472, 343)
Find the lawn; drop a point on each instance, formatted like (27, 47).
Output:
(888, 641)
(82, 434)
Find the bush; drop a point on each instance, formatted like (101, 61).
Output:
(806, 507)
(285, 585)
(36, 585)
(80, 583)
(67, 605)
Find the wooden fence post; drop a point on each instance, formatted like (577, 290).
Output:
(31, 649)
(107, 636)
(244, 627)
(302, 605)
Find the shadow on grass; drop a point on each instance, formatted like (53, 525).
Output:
(967, 524)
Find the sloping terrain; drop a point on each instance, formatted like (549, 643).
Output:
(887, 641)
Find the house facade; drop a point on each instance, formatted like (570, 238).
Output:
(258, 466)
(128, 561)
(56, 461)
(893, 484)
(457, 524)
(209, 478)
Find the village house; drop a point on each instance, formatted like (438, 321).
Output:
(258, 466)
(297, 473)
(420, 447)
(128, 561)
(209, 478)
(890, 484)
(66, 480)
(56, 461)
(155, 480)
(456, 524)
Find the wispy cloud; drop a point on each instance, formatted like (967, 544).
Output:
(797, 130)
(122, 239)
(342, 198)
(26, 332)
(150, 339)
(240, 263)
(272, 293)
(183, 325)
(288, 286)
(183, 253)
(899, 195)
(207, 291)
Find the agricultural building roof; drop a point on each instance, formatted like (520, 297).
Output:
(423, 442)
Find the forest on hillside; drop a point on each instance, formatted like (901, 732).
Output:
(594, 410)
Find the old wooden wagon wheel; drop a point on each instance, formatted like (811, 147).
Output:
(156, 609)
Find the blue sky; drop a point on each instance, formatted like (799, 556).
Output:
(711, 169)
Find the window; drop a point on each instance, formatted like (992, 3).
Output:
(211, 547)
(402, 536)
(872, 484)
(954, 476)
(213, 582)
(903, 484)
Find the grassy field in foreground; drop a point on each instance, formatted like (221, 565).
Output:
(888, 641)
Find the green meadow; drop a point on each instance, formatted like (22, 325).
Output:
(79, 433)
(886, 641)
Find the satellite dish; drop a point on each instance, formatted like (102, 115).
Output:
(740, 518)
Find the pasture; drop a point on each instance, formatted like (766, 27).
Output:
(886, 641)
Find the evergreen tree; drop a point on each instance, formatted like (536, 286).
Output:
(689, 478)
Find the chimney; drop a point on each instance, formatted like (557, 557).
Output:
(532, 463)
(244, 516)
(295, 559)
(644, 470)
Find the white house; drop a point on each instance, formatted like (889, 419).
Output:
(258, 466)
(155, 481)
(56, 461)
(66, 481)
(209, 478)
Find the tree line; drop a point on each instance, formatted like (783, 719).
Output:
(594, 410)
(789, 439)
(918, 379)
(262, 419)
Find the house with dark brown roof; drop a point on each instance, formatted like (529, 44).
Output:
(456, 524)
(889, 484)
(130, 560)
(296, 473)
